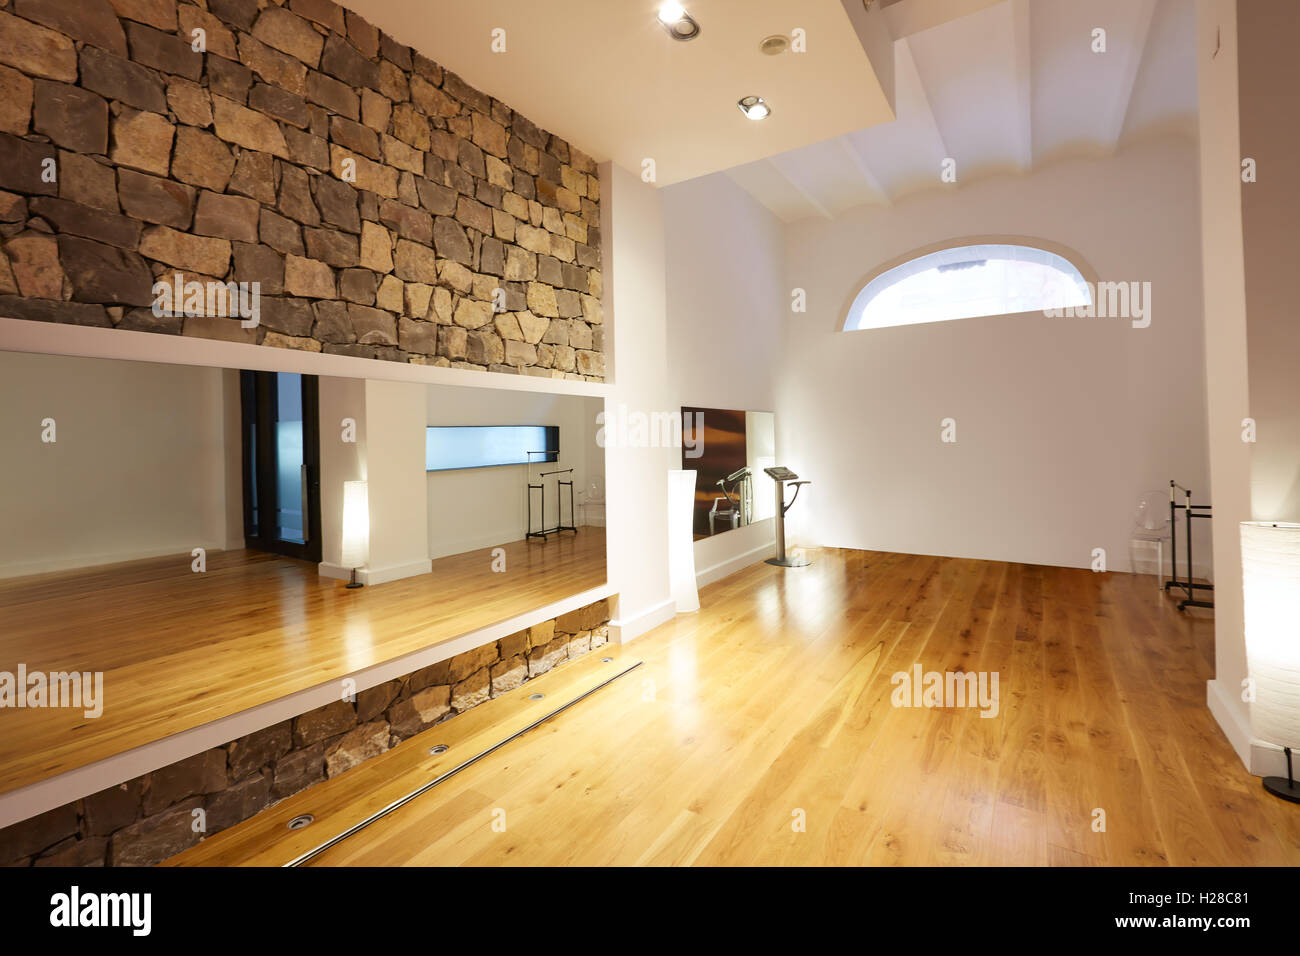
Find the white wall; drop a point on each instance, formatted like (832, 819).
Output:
(1227, 390)
(139, 468)
(1269, 75)
(1061, 423)
(340, 461)
(483, 507)
(725, 257)
(395, 476)
(632, 230)
(388, 454)
(1252, 336)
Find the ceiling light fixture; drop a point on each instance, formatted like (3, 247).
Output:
(679, 24)
(754, 107)
(774, 45)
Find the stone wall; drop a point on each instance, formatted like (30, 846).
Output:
(148, 819)
(379, 200)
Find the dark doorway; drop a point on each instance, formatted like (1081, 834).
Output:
(281, 439)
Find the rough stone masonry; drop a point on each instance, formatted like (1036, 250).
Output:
(388, 209)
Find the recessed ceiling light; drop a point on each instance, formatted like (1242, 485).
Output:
(754, 107)
(679, 24)
(774, 45)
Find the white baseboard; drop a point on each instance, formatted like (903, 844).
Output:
(1234, 724)
(18, 569)
(625, 628)
(731, 565)
(375, 575)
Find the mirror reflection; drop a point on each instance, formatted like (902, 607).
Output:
(728, 450)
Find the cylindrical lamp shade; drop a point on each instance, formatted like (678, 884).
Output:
(356, 524)
(1270, 564)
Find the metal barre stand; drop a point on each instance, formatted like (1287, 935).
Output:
(540, 487)
(1190, 511)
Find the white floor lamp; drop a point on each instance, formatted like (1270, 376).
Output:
(1270, 564)
(356, 528)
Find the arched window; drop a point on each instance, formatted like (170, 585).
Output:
(963, 282)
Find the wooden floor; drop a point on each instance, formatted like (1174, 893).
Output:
(180, 649)
(772, 704)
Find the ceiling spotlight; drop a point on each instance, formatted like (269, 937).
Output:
(774, 45)
(754, 107)
(679, 24)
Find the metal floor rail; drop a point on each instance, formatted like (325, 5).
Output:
(425, 788)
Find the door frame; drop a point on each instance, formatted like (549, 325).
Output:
(259, 401)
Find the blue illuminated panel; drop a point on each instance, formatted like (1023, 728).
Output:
(448, 447)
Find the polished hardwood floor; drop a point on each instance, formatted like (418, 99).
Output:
(180, 649)
(761, 731)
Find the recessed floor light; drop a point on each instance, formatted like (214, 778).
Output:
(754, 107)
(679, 24)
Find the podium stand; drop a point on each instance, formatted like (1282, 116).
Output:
(781, 477)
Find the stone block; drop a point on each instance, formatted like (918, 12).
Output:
(247, 128)
(37, 50)
(207, 256)
(322, 723)
(307, 277)
(289, 33)
(164, 52)
(423, 709)
(200, 774)
(102, 273)
(70, 116)
(109, 810)
(258, 749)
(238, 802)
(156, 200)
(142, 141)
(157, 837)
(298, 770)
(78, 220)
(228, 217)
(356, 746)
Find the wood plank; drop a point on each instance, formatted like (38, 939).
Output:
(775, 697)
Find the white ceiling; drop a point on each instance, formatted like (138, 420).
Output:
(1002, 87)
(604, 75)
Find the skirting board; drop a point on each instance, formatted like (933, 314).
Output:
(28, 801)
(375, 575)
(625, 628)
(730, 566)
(81, 562)
(1230, 720)
(1261, 758)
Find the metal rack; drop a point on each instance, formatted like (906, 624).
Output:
(1190, 511)
(539, 485)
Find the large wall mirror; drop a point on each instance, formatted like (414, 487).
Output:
(728, 450)
(224, 486)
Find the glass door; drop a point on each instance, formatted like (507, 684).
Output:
(281, 442)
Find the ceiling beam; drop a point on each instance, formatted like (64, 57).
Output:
(1144, 13)
(907, 63)
(860, 162)
(793, 180)
(905, 17)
